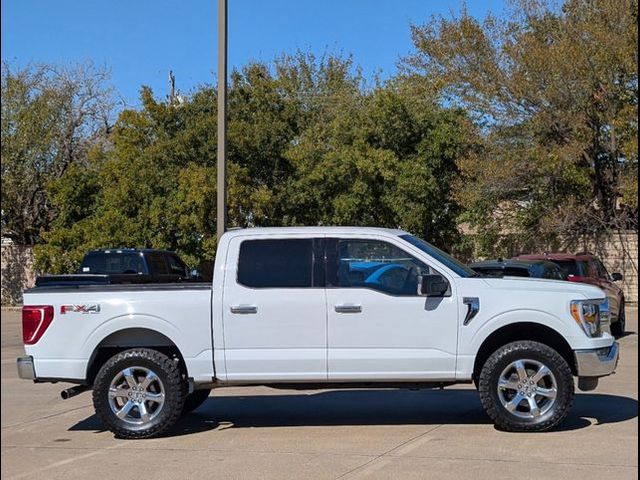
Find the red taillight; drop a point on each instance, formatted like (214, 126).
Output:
(35, 321)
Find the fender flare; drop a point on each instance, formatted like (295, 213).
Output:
(128, 322)
(516, 316)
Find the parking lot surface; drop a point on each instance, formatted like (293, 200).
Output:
(264, 433)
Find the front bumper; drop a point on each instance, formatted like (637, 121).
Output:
(598, 362)
(26, 370)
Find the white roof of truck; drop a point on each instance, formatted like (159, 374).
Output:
(313, 230)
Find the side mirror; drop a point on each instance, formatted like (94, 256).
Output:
(616, 277)
(432, 286)
(195, 275)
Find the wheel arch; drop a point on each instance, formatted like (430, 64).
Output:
(523, 331)
(134, 337)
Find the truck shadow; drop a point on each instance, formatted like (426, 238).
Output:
(371, 407)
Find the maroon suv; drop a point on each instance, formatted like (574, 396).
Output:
(587, 268)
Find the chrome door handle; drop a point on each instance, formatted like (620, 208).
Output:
(244, 309)
(348, 308)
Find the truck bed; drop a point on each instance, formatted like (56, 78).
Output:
(88, 316)
(119, 287)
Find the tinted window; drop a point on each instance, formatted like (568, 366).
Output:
(572, 267)
(157, 264)
(552, 272)
(112, 263)
(276, 263)
(373, 264)
(489, 271)
(176, 266)
(516, 272)
(602, 271)
(442, 257)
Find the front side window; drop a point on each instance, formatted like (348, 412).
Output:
(602, 271)
(444, 258)
(373, 264)
(286, 263)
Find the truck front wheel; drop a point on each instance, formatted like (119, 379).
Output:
(139, 393)
(526, 386)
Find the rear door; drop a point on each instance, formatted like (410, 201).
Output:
(274, 309)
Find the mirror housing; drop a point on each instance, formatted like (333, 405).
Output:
(616, 276)
(432, 286)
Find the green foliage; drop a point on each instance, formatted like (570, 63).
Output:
(521, 129)
(49, 116)
(557, 92)
(308, 145)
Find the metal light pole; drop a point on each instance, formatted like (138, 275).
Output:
(222, 119)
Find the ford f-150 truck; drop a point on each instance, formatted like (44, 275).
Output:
(319, 307)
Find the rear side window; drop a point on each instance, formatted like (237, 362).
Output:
(285, 263)
(157, 265)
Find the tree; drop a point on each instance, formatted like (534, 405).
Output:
(556, 93)
(309, 144)
(50, 116)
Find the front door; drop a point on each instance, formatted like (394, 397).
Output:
(378, 326)
(274, 310)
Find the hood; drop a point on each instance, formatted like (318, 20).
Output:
(545, 285)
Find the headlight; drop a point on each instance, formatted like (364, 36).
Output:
(605, 314)
(586, 313)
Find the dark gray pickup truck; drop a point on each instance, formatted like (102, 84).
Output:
(125, 266)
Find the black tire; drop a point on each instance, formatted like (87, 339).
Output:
(194, 400)
(619, 327)
(168, 377)
(553, 412)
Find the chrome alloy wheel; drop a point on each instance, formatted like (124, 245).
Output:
(136, 395)
(527, 389)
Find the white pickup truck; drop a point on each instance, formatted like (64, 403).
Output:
(319, 307)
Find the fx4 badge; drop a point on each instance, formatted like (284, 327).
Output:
(90, 308)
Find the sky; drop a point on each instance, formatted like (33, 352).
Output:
(139, 41)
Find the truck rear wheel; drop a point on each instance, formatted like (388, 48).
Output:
(194, 400)
(139, 393)
(526, 387)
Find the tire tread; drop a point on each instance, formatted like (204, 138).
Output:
(509, 423)
(174, 403)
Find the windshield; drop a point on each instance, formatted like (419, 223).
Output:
(442, 257)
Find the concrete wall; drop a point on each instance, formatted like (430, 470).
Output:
(17, 272)
(619, 253)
